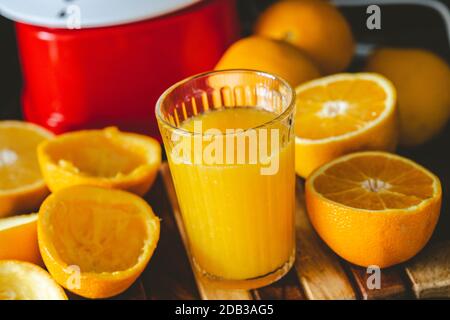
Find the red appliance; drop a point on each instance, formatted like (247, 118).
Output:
(94, 63)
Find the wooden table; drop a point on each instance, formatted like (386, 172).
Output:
(318, 273)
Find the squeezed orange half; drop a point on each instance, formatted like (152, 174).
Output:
(95, 241)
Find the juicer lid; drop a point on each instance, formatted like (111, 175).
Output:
(87, 13)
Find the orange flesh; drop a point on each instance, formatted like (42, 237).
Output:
(18, 161)
(375, 183)
(338, 108)
(25, 281)
(97, 156)
(98, 236)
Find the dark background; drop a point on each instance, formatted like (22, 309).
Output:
(407, 26)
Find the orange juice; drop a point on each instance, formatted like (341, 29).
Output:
(240, 222)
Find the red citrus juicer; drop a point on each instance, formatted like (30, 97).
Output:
(95, 63)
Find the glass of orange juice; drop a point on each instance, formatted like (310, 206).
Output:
(229, 140)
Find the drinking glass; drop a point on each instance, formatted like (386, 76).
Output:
(229, 140)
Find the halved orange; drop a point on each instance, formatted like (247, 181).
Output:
(22, 188)
(105, 158)
(343, 113)
(95, 241)
(374, 208)
(18, 239)
(25, 281)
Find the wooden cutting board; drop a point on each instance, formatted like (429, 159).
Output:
(320, 274)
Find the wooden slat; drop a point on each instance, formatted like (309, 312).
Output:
(429, 272)
(135, 292)
(168, 275)
(206, 291)
(287, 288)
(392, 284)
(318, 268)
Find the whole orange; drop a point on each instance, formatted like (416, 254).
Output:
(422, 80)
(268, 55)
(315, 26)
